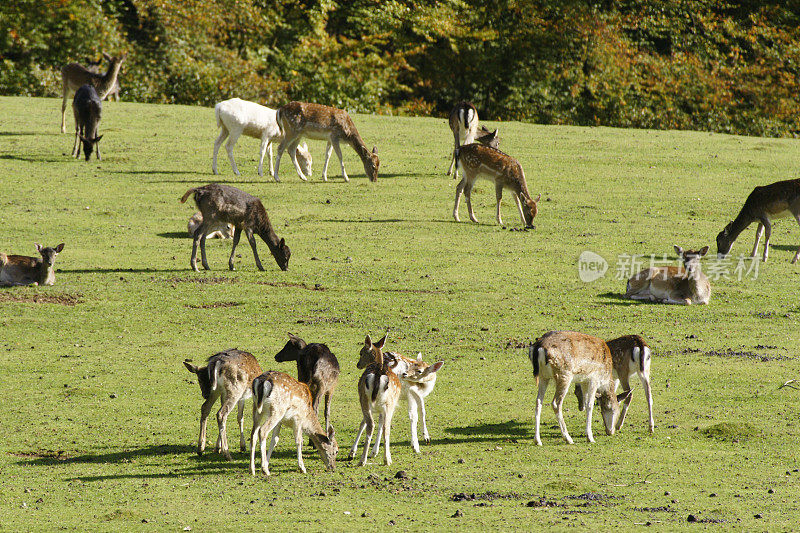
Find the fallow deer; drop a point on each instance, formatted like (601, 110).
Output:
(94, 66)
(221, 231)
(87, 107)
(567, 356)
(317, 367)
(504, 171)
(762, 205)
(280, 398)
(631, 356)
(74, 76)
(315, 121)
(227, 376)
(464, 125)
(671, 284)
(378, 390)
(24, 270)
(221, 204)
(418, 379)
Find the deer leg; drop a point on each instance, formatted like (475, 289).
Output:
(579, 395)
(759, 232)
(413, 416)
(335, 142)
(237, 233)
(498, 191)
(64, 107)
(468, 194)
(298, 439)
(269, 152)
(256, 439)
(293, 156)
(591, 390)
(453, 165)
(370, 427)
(328, 398)
(197, 234)
(240, 419)
(251, 238)
(648, 394)
(539, 401)
(519, 208)
(361, 429)
(562, 385)
(459, 191)
(97, 147)
(281, 147)
(205, 410)
(387, 429)
(203, 258)
(77, 146)
(377, 445)
(233, 137)
(625, 404)
(228, 403)
(425, 436)
(265, 142)
(328, 150)
(276, 433)
(767, 235)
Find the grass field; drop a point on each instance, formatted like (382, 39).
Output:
(100, 418)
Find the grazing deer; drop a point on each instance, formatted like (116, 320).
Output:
(378, 390)
(74, 76)
(671, 284)
(24, 270)
(762, 205)
(222, 231)
(227, 376)
(418, 379)
(280, 398)
(464, 125)
(476, 161)
(315, 121)
(220, 204)
(87, 108)
(236, 117)
(94, 66)
(317, 367)
(631, 356)
(567, 356)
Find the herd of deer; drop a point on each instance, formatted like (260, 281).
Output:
(597, 367)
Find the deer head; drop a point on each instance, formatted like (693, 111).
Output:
(327, 446)
(724, 241)
(291, 350)
(49, 254)
(371, 352)
(529, 208)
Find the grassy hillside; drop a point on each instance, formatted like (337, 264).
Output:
(100, 418)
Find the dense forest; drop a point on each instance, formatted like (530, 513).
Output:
(726, 66)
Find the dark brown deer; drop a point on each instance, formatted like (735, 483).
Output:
(317, 367)
(24, 270)
(315, 121)
(762, 205)
(74, 76)
(87, 109)
(227, 377)
(221, 204)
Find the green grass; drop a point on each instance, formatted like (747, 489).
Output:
(100, 418)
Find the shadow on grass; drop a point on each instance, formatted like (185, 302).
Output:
(36, 159)
(785, 247)
(175, 235)
(621, 300)
(211, 180)
(153, 172)
(118, 270)
(17, 133)
(480, 432)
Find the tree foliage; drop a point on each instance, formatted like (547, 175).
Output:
(730, 66)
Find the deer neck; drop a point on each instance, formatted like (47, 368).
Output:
(266, 232)
(110, 77)
(358, 145)
(46, 273)
(739, 224)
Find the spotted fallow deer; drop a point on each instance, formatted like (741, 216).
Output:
(464, 125)
(378, 390)
(631, 356)
(74, 75)
(227, 376)
(279, 398)
(765, 203)
(316, 121)
(569, 356)
(479, 161)
(671, 284)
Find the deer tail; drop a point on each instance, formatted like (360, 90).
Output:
(187, 194)
(538, 355)
(262, 388)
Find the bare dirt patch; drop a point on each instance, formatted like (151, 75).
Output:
(315, 287)
(62, 299)
(514, 344)
(60, 455)
(201, 281)
(753, 356)
(214, 305)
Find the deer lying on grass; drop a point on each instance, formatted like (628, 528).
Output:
(671, 284)
(220, 204)
(418, 379)
(504, 171)
(317, 367)
(74, 76)
(227, 376)
(94, 66)
(464, 125)
(315, 121)
(280, 398)
(236, 117)
(24, 270)
(87, 108)
(378, 390)
(631, 356)
(221, 231)
(567, 356)
(762, 205)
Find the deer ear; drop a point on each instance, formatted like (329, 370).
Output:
(282, 243)
(97, 139)
(381, 342)
(331, 433)
(624, 395)
(703, 251)
(368, 342)
(375, 150)
(436, 366)
(523, 197)
(108, 57)
(59, 248)
(190, 367)
(38, 246)
(539, 197)
(419, 356)
(678, 250)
